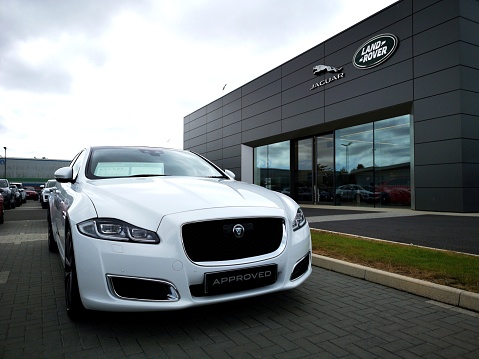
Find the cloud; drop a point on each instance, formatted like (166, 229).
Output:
(74, 73)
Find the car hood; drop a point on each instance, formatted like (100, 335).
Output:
(154, 197)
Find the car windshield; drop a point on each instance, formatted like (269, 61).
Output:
(111, 162)
(3, 183)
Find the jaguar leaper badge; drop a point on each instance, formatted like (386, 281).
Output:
(375, 51)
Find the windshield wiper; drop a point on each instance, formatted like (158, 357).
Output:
(147, 175)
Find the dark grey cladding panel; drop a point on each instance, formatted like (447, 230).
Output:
(262, 112)
(258, 133)
(215, 156)
(386, 97)
(469, 31)
(232, 151)
(304, 105)
(470, 10)
(231, 118)
(266, 79)
(198, 113)
(436, 14)
(441, 35)
(214, 125)
(469, 55)
(448, 80)
(470, 152)
(304, 60)
(232, 140)
(303, 76)
(232, 96)
(262, 93)
(300, 91)
(214, 105)
(446, 175)
(440, 199)
(214, 115)
(420, 5)
(439, 152)
(197, 141)
(198, 122)
(371, 82)
(439, 59)
(197, 131)
(232, 107)
(201, 148)
(214, 135)
(446, 104)
(470, 127)
(373, 25)
(219, 163)
(232, 129)
(233, 164)
(305, 120)
(442, 128)
(214, 145)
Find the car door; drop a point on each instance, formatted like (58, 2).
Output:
(64, 197)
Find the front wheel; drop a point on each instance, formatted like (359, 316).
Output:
(73, 301)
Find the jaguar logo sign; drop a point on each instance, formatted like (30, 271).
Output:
(320, 69)
(375, 51)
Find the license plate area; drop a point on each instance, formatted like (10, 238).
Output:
(240, 279)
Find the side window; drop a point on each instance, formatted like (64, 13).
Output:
(76, 163)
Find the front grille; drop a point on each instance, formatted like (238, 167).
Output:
(215, 240)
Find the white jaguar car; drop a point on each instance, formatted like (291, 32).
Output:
(149, 229)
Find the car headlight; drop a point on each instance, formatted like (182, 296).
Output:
(299, 220)
(116, 230)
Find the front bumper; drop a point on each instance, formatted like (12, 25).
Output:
(119, 276)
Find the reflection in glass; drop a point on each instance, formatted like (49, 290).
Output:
(392, 144)
(304, 171)
(272, 167)
(325, 169)
(372, 163)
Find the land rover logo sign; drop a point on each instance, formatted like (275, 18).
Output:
(375, 51)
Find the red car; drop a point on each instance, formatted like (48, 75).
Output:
(397, 190)
(31, 193)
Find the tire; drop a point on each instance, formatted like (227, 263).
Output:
(52, 245)
(74, 305)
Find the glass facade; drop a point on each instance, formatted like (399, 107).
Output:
(367, 165)
(272, 167)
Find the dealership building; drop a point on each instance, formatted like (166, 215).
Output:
(385, 113)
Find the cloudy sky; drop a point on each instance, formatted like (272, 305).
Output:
(91, 72)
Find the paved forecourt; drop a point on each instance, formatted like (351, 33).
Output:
(331, 316)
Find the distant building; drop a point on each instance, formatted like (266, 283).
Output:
(30, 171)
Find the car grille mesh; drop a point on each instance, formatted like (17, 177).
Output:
(215, 240)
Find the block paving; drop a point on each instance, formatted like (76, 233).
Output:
(330, 316)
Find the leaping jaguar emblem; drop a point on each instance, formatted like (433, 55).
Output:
(319, 69)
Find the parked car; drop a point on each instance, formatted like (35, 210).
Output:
(47, 188)
(31, 193)
(396, 191)
(21, 190)
(2, 217)
(7, 194)
(16, 194)
(356, 193)
(148, 229)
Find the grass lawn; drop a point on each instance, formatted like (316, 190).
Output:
(442, 267)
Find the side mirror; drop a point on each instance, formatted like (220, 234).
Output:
(230, 174)
(64, 174)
